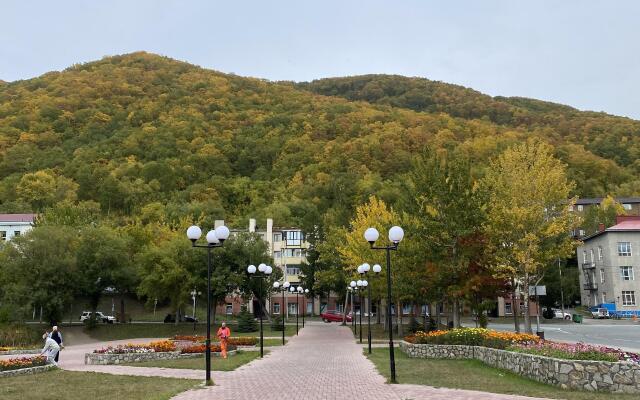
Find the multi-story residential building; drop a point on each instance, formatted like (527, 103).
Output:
(288, 248)
(631, 206)
(609, 260)
(12, 225)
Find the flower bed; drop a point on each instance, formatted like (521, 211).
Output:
(130, 348)
(200, 348)
(189, 338)
(577, 351)
(236, 341)
(472, 337)
(22, 362)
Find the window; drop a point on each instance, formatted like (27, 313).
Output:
(293, 308)
(276, 308)
(277, 255)
(406, 309)
(425, 309)
(570, 208)
(340, 308)
(581, 232)
(521, 306)
(3, 235)
(600, 253)
(294, 238)
(293, 253)
(309, 308)
(602, 275)
(604, 297)
(507, 308)
(16, 233)
(626, 273)
(584, 256)
(627, 207)
(628, 298)
(624, 249)
(591, 254)
(580, 207)
(229, 309)
(277, 237)
(293, 270)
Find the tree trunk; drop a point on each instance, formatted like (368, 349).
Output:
(456, 313)
(515, 306)
(527, 317)
(437, 316)
(378, 312)
(122, 310)
(399, 316)
(346, 304)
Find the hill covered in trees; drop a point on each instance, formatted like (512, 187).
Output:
(149, 136)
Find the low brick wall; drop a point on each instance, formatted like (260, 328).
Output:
(27, 371)
(115, 359)
(619, 377)
(19, 351)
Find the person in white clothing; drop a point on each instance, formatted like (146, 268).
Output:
(50, 349)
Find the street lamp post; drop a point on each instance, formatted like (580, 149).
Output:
(304, 305)
(215, 238)
(284, 288)
(265, 271)
(364, 270)
(395, 237)
(293, 290)
(360, 284)
(299, 291)
(194, 293)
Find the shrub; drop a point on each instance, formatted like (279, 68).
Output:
(22, 362)
(20, 335)
(246, 322)
(276, 323)
(414, 325)
(243, 341)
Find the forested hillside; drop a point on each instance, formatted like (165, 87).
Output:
(145, 135)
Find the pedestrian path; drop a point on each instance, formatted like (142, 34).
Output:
(323, 362)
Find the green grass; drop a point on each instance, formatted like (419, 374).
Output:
(474, 375)
(131, 331)
(83, 385)
(217, 363)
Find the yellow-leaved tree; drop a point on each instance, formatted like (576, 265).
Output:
(528, 216)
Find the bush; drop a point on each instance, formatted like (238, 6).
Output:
(413, 326)
(246, 322)
(276, 323)
(20, 335)
(548, 313)
(482, 320)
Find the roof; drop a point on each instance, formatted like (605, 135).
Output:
(632, 225)
(598, 200)
(17, 218)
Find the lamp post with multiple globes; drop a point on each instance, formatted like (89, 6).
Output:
(265, 271)
(215, 238)
(396, 234)
(283, 289)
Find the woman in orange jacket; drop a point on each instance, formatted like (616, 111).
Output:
(223, 334)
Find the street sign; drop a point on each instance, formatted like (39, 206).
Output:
(541, 290)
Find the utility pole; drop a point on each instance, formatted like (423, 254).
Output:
(561, 291)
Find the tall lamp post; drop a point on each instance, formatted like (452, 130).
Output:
(293, 290)
(285, 287)
(361, 285)
(215, 238)
(265, 271)
(352, 287)
(304, 305)
(363, 270)
(299, 291)
(395, 237)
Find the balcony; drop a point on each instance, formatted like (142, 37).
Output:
(588, 266)
(590, 286)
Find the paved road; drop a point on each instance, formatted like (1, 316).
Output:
(323, 362)
(618, 334)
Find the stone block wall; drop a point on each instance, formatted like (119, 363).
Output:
(115, 359)
(619, 377)
(27, 371)
(19, 351)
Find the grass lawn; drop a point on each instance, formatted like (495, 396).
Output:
(75, 385)
(217, 363)
(474, 375)
(161, 330)
(377, 331)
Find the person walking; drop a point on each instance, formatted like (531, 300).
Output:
(57, 336)
(50, 349)
(223, 334)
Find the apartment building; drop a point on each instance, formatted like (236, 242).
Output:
(609, 259)
(12, 225)
(288, 248)
(631, 206)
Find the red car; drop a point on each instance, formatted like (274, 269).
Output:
(334, 316)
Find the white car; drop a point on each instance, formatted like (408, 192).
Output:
(560, 315)
(107, 319)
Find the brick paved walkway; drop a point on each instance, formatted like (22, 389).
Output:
(323, 362)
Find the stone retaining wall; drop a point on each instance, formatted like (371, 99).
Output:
(621, 377)
(27, 371)
(114, 359)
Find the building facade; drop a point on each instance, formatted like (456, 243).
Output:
(12, 225)
(631, 207)
(609, 260)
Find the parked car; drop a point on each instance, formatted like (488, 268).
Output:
(107, 319)
(558, 314)
(599, 313)
(334, 316)
(189, 318)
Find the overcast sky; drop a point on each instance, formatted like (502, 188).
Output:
(577, 52)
